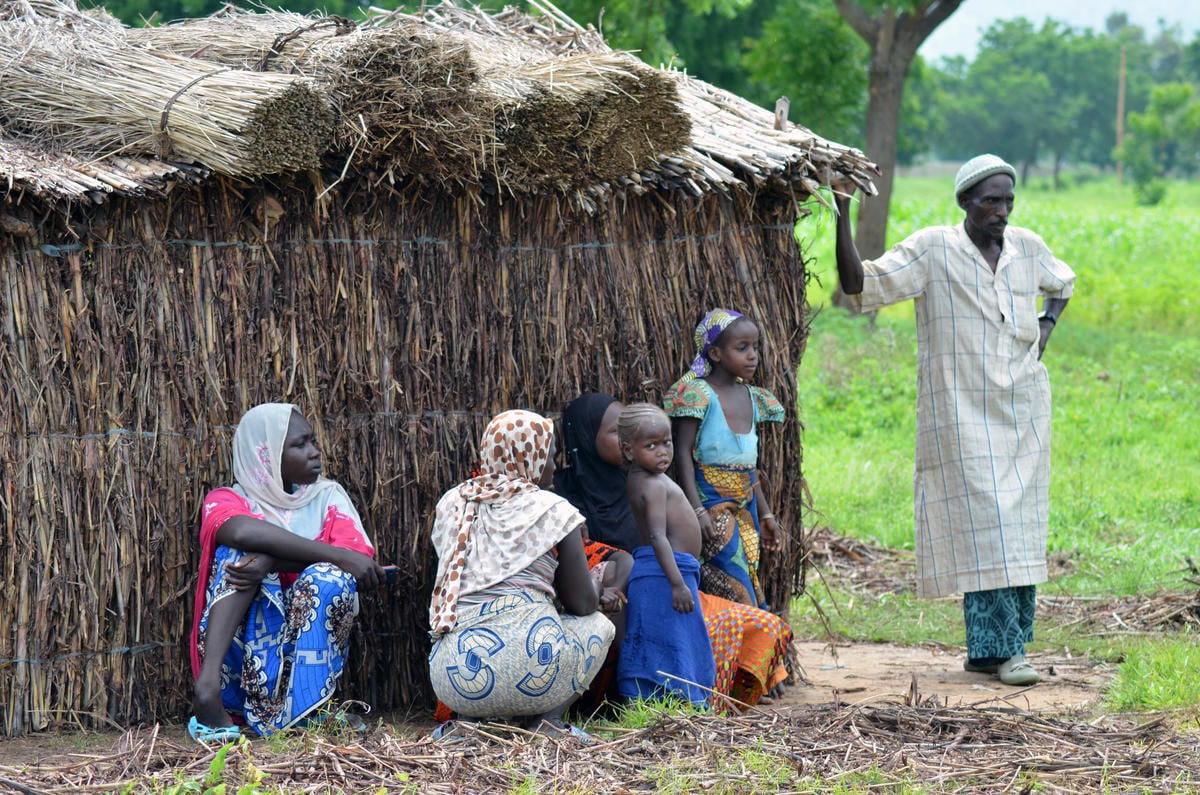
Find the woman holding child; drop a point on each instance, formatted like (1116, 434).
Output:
(507, 548)
(747, 643)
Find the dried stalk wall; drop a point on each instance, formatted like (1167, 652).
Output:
(399, 321)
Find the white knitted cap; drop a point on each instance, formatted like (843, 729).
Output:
(977, 169)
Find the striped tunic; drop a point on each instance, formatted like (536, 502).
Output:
(981, 480)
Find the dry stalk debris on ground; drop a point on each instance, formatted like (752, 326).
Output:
(951, 750)
(858, 566)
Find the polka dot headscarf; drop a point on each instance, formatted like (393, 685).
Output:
(498, 522)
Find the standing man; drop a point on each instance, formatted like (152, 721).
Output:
(982, 471)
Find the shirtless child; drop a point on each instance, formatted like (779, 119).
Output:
(666, 648)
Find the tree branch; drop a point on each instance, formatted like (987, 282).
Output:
(935, 14)
(860, 20)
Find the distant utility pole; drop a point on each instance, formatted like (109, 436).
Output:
(1121, 113)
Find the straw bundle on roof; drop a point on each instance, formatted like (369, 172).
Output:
(732, 140)
(564, 118)
(574, 119)
(400, 93)
(83, 86)
(461, 104)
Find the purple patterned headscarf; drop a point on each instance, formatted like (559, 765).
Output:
(710, 327)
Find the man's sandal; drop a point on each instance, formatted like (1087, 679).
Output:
(1017, 671)
(212, 735)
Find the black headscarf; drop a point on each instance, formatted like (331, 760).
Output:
(596, 488)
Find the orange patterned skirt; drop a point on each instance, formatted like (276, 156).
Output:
(748, 646)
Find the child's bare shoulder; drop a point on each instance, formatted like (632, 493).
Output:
(669, 486)
(648, 481)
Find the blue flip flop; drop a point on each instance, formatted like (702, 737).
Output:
(569, 729)
(209, 735)
(579, 734)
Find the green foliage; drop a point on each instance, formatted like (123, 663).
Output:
(639, 713)
(875, 618)
(1033, 92)
(770, 772)
(213, 782)
(1164, 138)
(1159, 675)
(826, 83)
(657, 32)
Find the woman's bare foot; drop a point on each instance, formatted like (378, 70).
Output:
(208, 709)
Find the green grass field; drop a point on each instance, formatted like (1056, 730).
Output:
(1124, 365)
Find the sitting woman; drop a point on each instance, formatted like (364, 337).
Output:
(282, 557)
(593, 454)
(506, 550)
(748, 644)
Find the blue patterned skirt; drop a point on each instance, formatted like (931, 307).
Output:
(730, 560)
(513, 655)
(288, 654)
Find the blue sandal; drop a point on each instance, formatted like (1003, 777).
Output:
(445, 731)
(209, 735)
(579, 734)
(568, 729)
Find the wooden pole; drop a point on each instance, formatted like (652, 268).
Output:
(1121, 113)
(782, 106)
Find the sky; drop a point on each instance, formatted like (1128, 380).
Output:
(959, 35)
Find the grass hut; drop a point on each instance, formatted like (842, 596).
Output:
(422, 273)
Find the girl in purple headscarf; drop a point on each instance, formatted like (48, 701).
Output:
(715, 413)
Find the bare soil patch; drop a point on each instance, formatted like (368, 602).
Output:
(872, 673)
(865, 673)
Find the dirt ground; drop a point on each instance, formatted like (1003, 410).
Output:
(861, 673)
(850, 674)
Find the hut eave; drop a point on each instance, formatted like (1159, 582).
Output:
(26, 168)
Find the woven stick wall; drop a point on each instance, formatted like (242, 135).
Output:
(132, 341)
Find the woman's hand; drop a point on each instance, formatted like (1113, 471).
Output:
(612, 600)
(366, 571)
(771, 536)
(247, 574)
(708, 528)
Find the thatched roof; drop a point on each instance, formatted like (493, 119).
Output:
(507, 103)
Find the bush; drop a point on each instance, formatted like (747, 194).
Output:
(1149, 192)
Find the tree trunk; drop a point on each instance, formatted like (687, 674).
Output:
(883, 124)
(894, 33)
